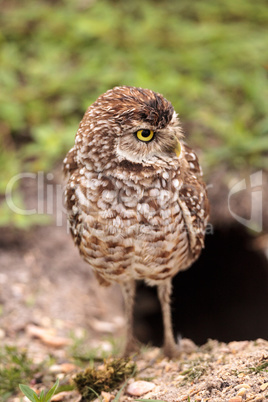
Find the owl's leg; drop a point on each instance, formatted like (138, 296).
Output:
(129, 289)
(170, 348)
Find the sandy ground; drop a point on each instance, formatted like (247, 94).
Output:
(49, 297)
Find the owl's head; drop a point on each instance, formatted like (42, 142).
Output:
(131, 124)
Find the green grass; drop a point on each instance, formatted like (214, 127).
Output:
(260, 367)
(34, 397)
(15, 368)
(194, 372)
(208, 58)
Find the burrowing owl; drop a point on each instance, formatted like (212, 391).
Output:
(137, 205)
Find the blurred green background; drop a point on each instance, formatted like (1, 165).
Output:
(209, 58)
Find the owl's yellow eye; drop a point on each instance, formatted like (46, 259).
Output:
(145, 135)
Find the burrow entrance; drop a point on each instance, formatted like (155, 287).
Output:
(223, 296)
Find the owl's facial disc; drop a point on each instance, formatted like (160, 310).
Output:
(148, 145)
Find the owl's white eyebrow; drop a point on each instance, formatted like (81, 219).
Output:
(144, 128)
(126, 155)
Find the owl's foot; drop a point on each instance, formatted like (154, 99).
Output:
(174, 351)
(131, 347)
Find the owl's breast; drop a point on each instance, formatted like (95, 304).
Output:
(129, 229)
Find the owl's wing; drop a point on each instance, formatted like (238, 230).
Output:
(70, 169)
(70, 162)
(193, 161)
(194, 202)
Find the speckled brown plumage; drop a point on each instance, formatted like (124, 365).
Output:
(137, 209)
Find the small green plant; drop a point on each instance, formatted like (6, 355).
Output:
(33, 397)
(15, 367)
(260, 367)
(119, 393)
(195, 371)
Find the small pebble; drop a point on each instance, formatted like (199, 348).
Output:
(236, 399)
(264, 386)
(102, 326)
(241, 392)
(55, 341)
(239, 386)
(106, 396)
(139, 388)
(61, 396)
(62, 368)
(47, 336)
(258, 398)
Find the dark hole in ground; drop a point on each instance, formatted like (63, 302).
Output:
(223, 296)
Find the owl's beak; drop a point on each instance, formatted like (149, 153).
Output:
(177, 148)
